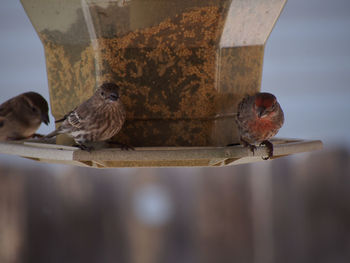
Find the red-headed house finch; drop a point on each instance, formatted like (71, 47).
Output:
(259, 117)
(22, 115)
(97, 119)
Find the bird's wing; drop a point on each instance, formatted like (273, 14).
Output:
(5, 108)
(75, 120)
(80, 115)
(241, 107)
(71, 121)
(64, 117)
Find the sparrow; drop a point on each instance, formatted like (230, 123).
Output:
(259, 118)
(22, 115)
(97, 119)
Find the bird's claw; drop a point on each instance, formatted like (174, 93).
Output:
(232, 144)
(251, 147)
(122, 146)
(126, 147)
(83, 147)
(269, 147)
(37, 135)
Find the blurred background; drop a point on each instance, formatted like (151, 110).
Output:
(294, 209)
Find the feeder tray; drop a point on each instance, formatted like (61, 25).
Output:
(154, 156)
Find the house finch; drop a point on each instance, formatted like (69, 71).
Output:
(97, 119)
(259, 117)
(22, 115)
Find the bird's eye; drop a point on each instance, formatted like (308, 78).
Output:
(102, 93)
(34, 109)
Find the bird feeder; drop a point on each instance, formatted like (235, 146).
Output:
(182, 67)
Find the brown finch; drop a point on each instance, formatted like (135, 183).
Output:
(259, 117)
(97, 119)
(22, 115)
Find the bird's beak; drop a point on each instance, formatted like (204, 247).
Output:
(45, 118)
(261, 111)
(113, 96)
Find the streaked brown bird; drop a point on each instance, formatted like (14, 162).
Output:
(97, 119)
(259, 117)
(22, 115)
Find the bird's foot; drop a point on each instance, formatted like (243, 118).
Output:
(84, 147)
(122, 146)
(269, 147)
(9, 138)
(37, 135)
(232, 144)
(251, 147)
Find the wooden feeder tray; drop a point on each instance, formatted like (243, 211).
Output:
(154, 156)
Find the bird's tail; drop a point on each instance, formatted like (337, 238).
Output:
(64, 117)
(58, 130)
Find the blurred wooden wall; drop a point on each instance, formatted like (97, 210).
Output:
(286, 210)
